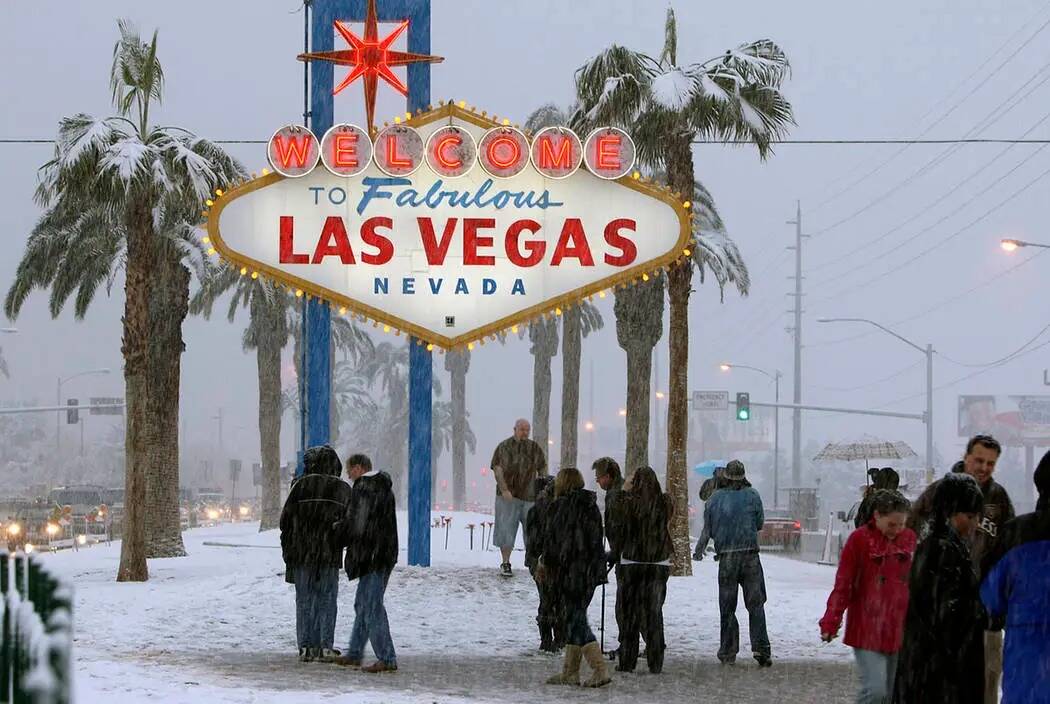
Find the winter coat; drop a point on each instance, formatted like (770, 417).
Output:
(871, 586)
(1017, 590)
(573, 552)
(613, 520)
(998, 509)
(535, 523)
(369, 530)
(644, 534)
(942, 656)
(732, 518)
(316, 501)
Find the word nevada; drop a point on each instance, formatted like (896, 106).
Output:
(451, 151)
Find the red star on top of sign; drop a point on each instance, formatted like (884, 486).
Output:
(371, 58)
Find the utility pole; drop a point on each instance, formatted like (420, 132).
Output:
(796, 423)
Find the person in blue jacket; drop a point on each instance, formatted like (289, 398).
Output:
(732, 518)
(1017, 587)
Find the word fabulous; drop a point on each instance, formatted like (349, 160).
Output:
(451, 151)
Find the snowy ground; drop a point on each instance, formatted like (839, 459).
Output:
(219, 626)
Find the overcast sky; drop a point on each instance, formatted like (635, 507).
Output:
(882, 70)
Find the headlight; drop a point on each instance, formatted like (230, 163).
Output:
(14, 529)
(81, 540)
(244, 510)
(213, 515)
(52, 529)
(28, 548)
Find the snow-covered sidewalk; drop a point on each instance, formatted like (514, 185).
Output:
(219, 626)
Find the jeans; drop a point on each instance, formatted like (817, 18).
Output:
(640, 594)
(993, 665)
(551, 612)
(877, 672)
(370, 622)
(579, 633)
(742, 570)
(316, 592)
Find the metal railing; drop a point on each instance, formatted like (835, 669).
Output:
(36, 648)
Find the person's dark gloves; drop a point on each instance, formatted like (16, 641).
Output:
(698, 553)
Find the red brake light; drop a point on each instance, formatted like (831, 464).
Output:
(798, 525)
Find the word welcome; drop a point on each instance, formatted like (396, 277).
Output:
(451, 151)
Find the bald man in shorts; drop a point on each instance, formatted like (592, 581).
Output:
(517, 461)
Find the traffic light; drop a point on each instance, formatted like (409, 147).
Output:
(72, 414)
(743, 406)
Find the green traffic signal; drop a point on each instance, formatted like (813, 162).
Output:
(743, 406)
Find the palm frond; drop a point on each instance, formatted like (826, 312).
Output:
(669, 55)
(548, 115)
(590, 318)
(612, 87)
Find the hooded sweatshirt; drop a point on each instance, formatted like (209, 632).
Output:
(316, 501)
(369, 529)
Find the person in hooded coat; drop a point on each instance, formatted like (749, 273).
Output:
(942, 656)
(573, 559)
(643, 549)
(549, 616)
(369, 531)
(312, 551)
(1017, 590)
(871, 588)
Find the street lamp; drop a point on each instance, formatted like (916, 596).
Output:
(58, 402)
(1013, 245)
(775, 376)
(928, 351)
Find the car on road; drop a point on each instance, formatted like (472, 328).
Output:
(780, 532)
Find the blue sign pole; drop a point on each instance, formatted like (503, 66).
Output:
(421, 362)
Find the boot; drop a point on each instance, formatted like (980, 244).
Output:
(559, 635)
(546, 638)
(599, 672)
(570, 671)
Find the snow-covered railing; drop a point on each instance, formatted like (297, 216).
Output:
(37, 615)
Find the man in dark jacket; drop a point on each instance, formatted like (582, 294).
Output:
(732, 518)
(549, 617)
(1017, 589)
(312, 551)
(607, 475)
(369, 531)
(942, 656)
(982, 454)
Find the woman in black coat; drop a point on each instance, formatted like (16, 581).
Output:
(643, 550)
(942, 658)
(573, 559)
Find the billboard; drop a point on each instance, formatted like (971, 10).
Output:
(449, 226)
(1012, 420)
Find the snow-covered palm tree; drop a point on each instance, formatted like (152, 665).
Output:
(122, 193)
(3, 364)
(666, 106)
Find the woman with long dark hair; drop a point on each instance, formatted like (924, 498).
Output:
(573, 559)
(942, 657)
(643, 549)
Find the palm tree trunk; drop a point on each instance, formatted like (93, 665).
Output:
(169, 304)
(134, 348)
(458, 363)
(570, 387)
(639, 369)
(680, 177)
(541, 400)
(268, 362)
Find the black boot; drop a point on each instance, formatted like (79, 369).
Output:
(546, 638)
(560, 636)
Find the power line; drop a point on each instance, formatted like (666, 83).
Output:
(891, 377)
(913, 259)
(1001, 360)
(950, 110)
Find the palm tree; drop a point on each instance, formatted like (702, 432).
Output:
(122, 193)
(444, 424)
(543, 339)
(457, 364)
(578, 322)
(267, 333)
(734, 96)
(3, 365)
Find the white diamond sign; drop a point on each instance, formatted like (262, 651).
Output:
(442, 249)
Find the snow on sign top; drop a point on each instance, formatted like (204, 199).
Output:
(449, 226)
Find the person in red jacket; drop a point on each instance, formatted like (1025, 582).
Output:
(872, 586)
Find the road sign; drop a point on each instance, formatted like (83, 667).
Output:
(106, 401)
(256, 474)
(72, 415)
(235, 469)
(710, 400)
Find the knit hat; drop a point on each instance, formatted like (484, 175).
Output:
(957, 493)
(734, 470)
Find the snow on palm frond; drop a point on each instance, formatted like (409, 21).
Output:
(761, 62)
(705, 214)
(669, 55)
(127, 158)
(674, 89)
(612, 87)
(83, 136)
(136, 75)
(753, 117)
(711, 88)
(549, 115)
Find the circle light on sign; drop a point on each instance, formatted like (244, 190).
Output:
(398, 150)
(503, 152)
(451, 151)
(556, 152)
(346, 150)
(293, 151)
(609, 153)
